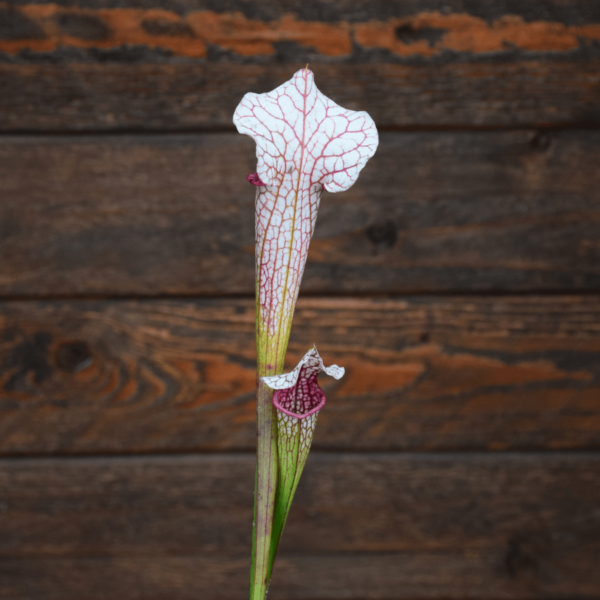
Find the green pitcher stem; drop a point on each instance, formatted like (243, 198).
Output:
(266, 486)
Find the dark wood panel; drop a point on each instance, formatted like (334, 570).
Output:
(152, 97)
(388, 526)
(175, 215)
(422, 373)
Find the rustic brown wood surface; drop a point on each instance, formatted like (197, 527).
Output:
(452, 211)
(379, 526)
(180, 65)
(422, 373)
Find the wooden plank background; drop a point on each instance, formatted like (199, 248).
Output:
(405, 526)
(173, 214)
(422, 374)
(458, 282)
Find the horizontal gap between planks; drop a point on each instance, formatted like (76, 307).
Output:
(544, 127)
(312, 295)
(329, 453)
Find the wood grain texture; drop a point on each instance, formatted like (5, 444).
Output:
(231, 32)
(32, 29)
(146, 96)
(388, 526)
(149, 215)
(421, 374)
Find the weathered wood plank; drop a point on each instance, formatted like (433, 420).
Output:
(408, 29)
(418, 63)
(422, 374)
(149, 215)
(154, 97)
(387, 526)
